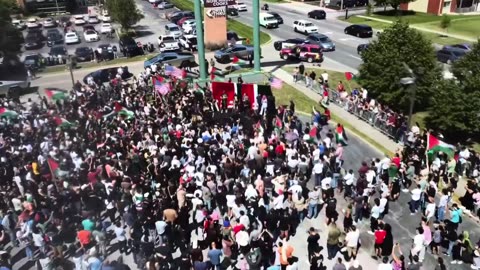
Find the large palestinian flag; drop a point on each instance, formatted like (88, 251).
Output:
(252, 91)
(434, 145)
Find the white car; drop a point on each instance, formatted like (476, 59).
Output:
(106, 18)
(93, 19)
(304, 26)
(240, 6)
(79, 20)
(106, 28)
(188, 26)
(168, 43)
(32, 23)
(188, 42)
(49, 22)
(71, 38)
(19, 24)
(91, 36)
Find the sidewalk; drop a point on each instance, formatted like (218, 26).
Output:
(421, 29)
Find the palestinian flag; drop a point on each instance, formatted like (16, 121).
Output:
(392, 171)
(350, 76)
(55, 94)
(237, 61)
(54, 166)
(434, 145)
(340, 136)
(259, 127)
(63, 123)
(119, 109)
(4, 112)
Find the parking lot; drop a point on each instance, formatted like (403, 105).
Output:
(45, 50)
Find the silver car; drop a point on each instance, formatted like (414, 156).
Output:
(239, 50)
(321, 40)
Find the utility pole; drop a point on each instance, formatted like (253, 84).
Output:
(70, 66)
(200, 43)
(256, 35)
(411, 84)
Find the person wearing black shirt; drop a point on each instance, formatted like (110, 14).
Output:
(312, 240)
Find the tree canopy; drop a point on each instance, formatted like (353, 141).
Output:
(393, 3)
(9, 36)
(455, 107)
(125, 12)
(383, 67)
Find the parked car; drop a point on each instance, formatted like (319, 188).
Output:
(58, 50)
(225, 55)
(465, 46)
(241, 7)
(19, 24)
(104, 75)
(359, 30)
(184, 14)
(277, 16)
(49, 22)
(168, 43)
(79, 20)
(188, 26)
(71, 38)
(361, 48)
(84, 54)
(33, 61)
(278, 45)
(178, 59)
(33, 23)
(165, 5)
(93, 19)
(182, 20)
(173, 13)
(105, 17)
(231, 11)
(304, 52)
(91, 36)
(317, 14)
(321, 40)
(188, 42)
(34, 40)
(450, 55)
(106, 28)
(304, 26)
(107, 51)
(54, 37)
(173, 30)
(129, 47)
(88, 27)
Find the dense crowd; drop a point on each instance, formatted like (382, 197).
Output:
(179, 182)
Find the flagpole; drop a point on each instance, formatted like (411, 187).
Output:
(54, 177)
(426, 151)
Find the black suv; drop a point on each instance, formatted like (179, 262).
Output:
(129, 48)
(54, 37)
(34, 39)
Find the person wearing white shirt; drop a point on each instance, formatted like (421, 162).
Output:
(385, 265)
(349, 179)
(418, 242)
(415, 201)
(383, 205)
(430, 210)
(374, 215)
(351, 241)
(442, 205)
(317, 170)
(328, 142)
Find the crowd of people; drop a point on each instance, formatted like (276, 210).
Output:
(175, 183)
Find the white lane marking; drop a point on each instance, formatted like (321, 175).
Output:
(354, 56)
(344, 39)
(328, 33)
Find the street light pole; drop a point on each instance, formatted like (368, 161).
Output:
(413, 93)
(70, 65)
(200, 38)
(256, 35)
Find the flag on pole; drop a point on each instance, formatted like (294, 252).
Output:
(54, 167)
(212, 73)
(350, 76)
(435, 145)
(276, 83)
(174, 72)
(63, 123)
(55, 94)
(163, 88)
(119, 109)
(4, 112)
(340, 135)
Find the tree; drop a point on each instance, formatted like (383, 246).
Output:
(369, 10)
(445, 22)
(125, 12)
(382, 66)
(10, 37)
(454, 110)
(394, 3)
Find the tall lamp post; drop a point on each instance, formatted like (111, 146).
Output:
(256, 35)
(200, 45)
(410, 84)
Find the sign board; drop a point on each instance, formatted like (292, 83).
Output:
(218, 3)
(216, 12)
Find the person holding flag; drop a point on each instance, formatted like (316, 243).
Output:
(340, 135)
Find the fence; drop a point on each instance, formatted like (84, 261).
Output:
(392, 124)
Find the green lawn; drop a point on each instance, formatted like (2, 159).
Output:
(373, 24)
(414, 17)
(333, 77)
(468, 27)
(241, 29)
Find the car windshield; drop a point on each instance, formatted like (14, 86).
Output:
(174, 29)
(106, 25)
(71, 35)
(314, 50)
(90, 32)
(325, 39)
(458, 53)
(168, 39)
(193, 41)
(82, 50)
(270, 18)
(57, 50)
(309, 24)
(92, 17)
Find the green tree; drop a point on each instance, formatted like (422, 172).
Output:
(454, 109)
(395, 4)
(369, 10)
(445, 22)
(125, 12)
(10, 37)
(382, 66)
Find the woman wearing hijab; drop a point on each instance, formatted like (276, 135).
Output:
(387, 246)
(467, 251)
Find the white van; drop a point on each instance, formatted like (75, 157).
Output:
(173, 30)
(268, 20)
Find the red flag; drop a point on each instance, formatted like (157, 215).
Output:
(348, 76)
(313, 132)
(54, 166)
(278, 122)
(235, 59)
(212, 73)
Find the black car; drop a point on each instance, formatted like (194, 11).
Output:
(278, 45)
(359, 30)
(277, 16)
(105, 75)
(54, 37)
(449, 55)
(84, 54)
(317, 14)
(107, 52)
(361, 48)
(232, 11)
(33, 61)
(58, 50)
(34, 40)
(128, 47)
